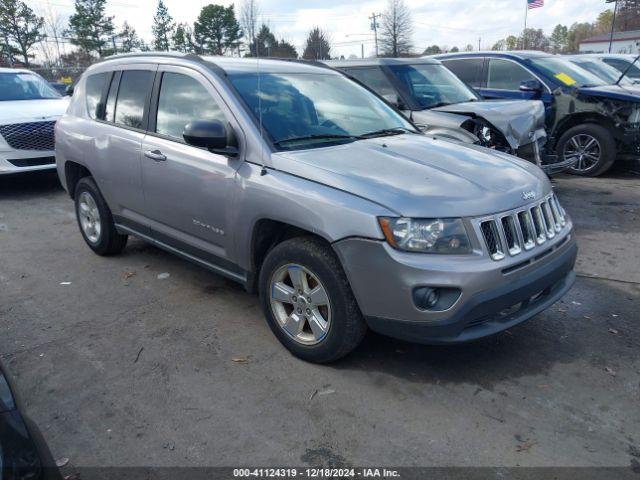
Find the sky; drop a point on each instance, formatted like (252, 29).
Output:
(443, 22)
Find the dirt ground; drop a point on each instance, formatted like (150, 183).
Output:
(121, 368)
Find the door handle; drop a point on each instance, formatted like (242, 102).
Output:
(155, 155)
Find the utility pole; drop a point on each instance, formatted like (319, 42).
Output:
(113, 41)
(374, 27)
(479, 40)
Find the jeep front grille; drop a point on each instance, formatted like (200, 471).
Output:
(523, 229)
(29, 136)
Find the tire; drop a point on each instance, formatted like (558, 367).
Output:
(103, 239)
(579, 136)
(313, 259)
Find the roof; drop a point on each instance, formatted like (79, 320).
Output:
(622, 56)
(506, 53)
(368, 62)
(230, 65)
(617, 36)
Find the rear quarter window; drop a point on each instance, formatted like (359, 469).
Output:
(94, 89)
(469, 70)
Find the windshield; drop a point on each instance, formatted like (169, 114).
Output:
(602, 70)
(433, 85)
(625, 65)
(567, 72)
(24, 86)
(301, 110)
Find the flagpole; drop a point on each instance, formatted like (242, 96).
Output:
(524, 32)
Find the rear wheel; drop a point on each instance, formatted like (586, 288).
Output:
(591, 146)
(308, 302)
(95, 220)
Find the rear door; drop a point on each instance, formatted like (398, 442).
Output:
(188, 190)
(118, 142)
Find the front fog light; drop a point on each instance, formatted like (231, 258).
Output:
(435, 299)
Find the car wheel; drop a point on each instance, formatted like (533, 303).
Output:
(308, 302)
(95, 219)
(591, 146)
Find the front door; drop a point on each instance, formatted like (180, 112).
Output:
(188, 190)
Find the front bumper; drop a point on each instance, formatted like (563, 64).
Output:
(17, 161)
(494, 295)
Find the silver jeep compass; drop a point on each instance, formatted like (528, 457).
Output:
(303, 185)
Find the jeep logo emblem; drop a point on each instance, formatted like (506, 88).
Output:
(530, 195)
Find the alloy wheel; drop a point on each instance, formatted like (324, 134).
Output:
(89, 216)
(300, 304)
(585, 150)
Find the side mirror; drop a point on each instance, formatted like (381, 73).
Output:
(69, 90)
(531, 86)
(212, 135)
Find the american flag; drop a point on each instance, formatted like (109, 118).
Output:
(535, 4)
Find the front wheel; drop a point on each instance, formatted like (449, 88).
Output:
(308, 302)
(591, 146)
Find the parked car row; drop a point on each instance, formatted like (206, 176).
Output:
(444, 106)
(589, 117)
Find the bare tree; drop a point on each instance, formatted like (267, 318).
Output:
(54, 27)
(249, 22)
(396, 29)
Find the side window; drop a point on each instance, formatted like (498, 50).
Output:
(132, 94)
(469, 70)
(506, 75)
(183, 99)
(374, 78)
(94, 87)
(620, 65)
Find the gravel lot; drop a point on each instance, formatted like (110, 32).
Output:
(120, 367)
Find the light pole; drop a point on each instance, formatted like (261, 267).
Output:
(613, 21)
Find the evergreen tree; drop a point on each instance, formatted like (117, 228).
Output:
(20, 28)
(162, 28)
(217, 30)
(318, 46)
(130, 41)
(90, 28)
(559, 39)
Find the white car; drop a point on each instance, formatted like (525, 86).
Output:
(29, 109)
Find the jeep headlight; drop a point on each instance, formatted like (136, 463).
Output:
(427, 235)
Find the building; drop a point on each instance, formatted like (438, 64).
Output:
(623, 42)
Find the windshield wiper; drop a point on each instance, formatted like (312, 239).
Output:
(386, 132)
(324, 136)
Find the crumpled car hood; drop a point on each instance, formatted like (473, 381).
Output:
(520, 121)
(613, 92)
(418, 176)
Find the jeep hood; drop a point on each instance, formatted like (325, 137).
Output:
(418, 176)
(21, 111)
(520, 121)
